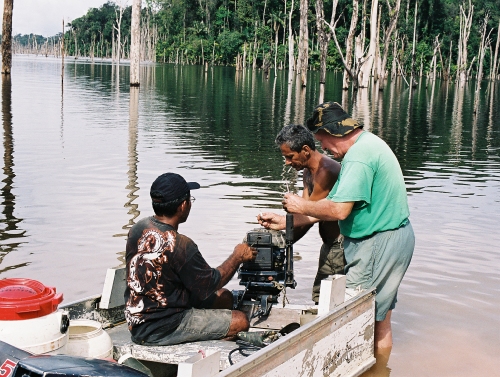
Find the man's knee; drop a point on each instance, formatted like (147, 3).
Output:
(223, 299)
(239, 322)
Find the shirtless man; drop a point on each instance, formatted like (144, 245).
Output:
(320, 174)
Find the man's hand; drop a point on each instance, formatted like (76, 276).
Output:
(293, 203)
(241, 253)
(271, 220)
(244, 252)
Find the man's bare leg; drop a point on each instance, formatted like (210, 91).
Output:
(380, 368)
(239, 320)
(383, 332)
(223, 299)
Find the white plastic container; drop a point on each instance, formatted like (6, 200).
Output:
(87, 339)
(36, 335)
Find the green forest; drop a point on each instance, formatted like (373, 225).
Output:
(444, 38)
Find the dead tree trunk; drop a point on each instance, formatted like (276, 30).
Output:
(62, 52)
(276, 28)
(465, 26)
(352, 72)
(323, 39)
(350, 44)
(495, 59)
(394, 68)
(135, 43)
(376, 59)
(434, 57)
(394, 15)
(291, 56)
(482, 48)
(412, 80)
(303, 57)
(255, 49)
(118, 28)
(444, 71)
(366, 68)
(113, 50)
(8, 6)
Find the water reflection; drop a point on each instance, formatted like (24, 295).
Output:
(132, 186)
(491, 94)
(11, 235)
(62, 106)
(132, 158)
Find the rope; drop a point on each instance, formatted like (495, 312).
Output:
(245, 349)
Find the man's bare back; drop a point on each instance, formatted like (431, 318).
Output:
(321, 176)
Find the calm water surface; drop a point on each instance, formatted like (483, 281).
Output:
(79, 158)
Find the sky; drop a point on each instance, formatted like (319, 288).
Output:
(44, 17)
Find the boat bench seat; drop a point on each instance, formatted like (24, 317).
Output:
(122, 345)
(112, 301)
(109, 310)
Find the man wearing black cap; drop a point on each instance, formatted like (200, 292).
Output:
(370, 202)
(173, 296)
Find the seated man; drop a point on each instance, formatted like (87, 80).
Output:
(173, 296)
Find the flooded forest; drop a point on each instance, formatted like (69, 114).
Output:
(366, 40)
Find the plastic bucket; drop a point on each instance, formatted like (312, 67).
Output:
(36, 335)
(87, 339)
(22, 299)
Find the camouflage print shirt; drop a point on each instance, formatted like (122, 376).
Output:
(166, 274)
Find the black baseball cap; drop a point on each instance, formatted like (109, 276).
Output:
(332, 118)
(170, 187)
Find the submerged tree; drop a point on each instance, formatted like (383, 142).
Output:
(365, 39)
(135, 43)
(367, 68)
(466, 14)
(393, 20)
(494, 71)
(303, 48)
(8, 6)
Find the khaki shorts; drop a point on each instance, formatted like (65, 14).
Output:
(197, 324)
(331, 262)
(380, 261)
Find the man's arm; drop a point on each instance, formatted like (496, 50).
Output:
(322, 185)
(300, 230)
(242, 253)
(323, 209)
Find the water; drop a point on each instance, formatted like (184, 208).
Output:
(79, 158)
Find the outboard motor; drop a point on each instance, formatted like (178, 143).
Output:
(270, 273)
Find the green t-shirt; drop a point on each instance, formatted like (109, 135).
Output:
(372, 178)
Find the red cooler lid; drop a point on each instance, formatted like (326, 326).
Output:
(26, 299)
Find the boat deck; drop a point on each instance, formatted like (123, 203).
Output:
(338, 341)
(278, 318)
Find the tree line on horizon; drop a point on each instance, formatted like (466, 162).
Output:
(363, 38)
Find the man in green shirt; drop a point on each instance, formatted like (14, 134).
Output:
(369, 201)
